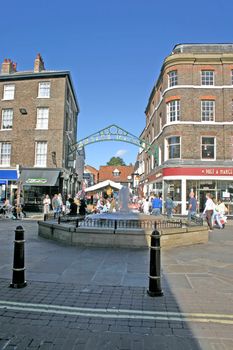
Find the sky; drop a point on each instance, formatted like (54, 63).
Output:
(114, 51)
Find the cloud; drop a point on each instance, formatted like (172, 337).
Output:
(120, 152)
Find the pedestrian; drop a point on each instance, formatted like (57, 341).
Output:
(192, 206)
(46, 206)
(82, 208)
(208, 211)
(169, 205)
(73, 207)
(146, 206)
(156, 205)
(56, 206)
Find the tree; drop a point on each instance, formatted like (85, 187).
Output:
(116, 161)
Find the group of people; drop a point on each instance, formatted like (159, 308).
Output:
(154, 205)
(71, 206)
(15, 211)
(214, 210)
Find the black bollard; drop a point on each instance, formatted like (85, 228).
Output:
(155, 262)
(59, 219)
(18, 278)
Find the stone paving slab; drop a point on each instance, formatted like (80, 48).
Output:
(76, 299)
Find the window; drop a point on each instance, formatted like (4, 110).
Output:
(116, 172)
(9, 92)
(208, 148)
(207, 77)
(7, 118)
(173, 147)
(172, 78)
(42, 118)
(44, 90)
(41, 154)
(5, 153)
(207, 110)
(173, 111)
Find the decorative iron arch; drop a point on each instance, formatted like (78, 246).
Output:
(114, 133)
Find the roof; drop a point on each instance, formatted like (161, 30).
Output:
(106, 172)
(203, 48)
(103, 184)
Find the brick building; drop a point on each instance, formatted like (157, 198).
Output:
(189, 117)
(39, 113)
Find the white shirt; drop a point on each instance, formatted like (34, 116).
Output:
(209, 205)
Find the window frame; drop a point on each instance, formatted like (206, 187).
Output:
(6, 155)
(210, 145)
(206, 78)
(8, 94)
(44, 92)
(168, 147)
(173, 111)
(172, 78)
(204, 113)
(42, 120)
(39, 156)
(10, 117)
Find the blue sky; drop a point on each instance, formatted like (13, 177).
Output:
(114, 50)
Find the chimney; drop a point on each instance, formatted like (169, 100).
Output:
(38, 64)
(8, 66)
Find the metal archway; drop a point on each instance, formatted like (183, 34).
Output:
(114, 133)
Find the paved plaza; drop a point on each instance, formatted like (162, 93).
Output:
(96, 298)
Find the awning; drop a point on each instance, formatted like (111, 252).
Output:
(103, 184)
(39, 177)
(8, 175)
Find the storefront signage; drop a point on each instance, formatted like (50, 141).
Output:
(198, 172)
(36, 181)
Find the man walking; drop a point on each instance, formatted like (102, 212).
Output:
(192, 206)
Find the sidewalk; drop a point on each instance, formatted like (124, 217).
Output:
(96, 298)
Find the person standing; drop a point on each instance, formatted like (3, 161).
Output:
(169, 205)
(208, 211)
(46, 206)
(192, 206)
(156, 205)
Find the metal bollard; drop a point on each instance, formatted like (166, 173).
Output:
(59, 219)
(18, 278)
(155, 262)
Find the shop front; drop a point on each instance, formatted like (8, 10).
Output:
(8, 182)
(179, 182)
(36, 183)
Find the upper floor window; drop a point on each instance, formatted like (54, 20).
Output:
(5, 153)
(41, 154)
(173, 111)
(207, 110)
(116, 172)
(208, 148)
(7, 118)
(42, 118)
(172, 78)
(9, 92)
(207, 77)
(172, 147)
(44, 89)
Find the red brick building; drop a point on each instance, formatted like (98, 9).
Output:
(189, 117)
(122, 174)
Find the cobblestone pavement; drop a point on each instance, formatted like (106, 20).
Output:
(96, 298)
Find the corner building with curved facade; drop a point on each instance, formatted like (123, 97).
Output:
(189, 117)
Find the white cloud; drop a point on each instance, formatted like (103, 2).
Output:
(120, 152)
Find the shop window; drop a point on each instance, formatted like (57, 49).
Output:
(208, 148)
(9, 92)
(7, 118)
(41, 154)
(44, 89)
(172, 147)
(172, 78)
(207, 110)
(207, 77)
(42, 118)
(5, 153)
(173, 111)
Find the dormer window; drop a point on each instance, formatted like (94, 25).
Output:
(116, 172)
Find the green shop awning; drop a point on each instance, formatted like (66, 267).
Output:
(39, 177)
